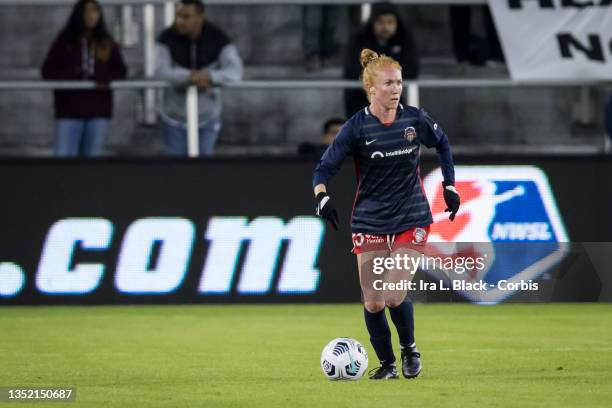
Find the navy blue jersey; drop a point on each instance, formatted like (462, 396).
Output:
(389, 197)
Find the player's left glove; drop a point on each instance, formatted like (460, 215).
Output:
(452, 200)
(326, 209)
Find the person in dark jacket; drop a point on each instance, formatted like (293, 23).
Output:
(83, 50)
(468, 47)
(194, 51)
(384, 33)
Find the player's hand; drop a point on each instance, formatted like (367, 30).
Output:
(326, 210)
(452, 200)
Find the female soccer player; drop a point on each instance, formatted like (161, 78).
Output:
(391, 215)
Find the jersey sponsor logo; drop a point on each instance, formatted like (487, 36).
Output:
(398, 152)
(410, 133)
(155, 254)
(401, 152)
(505, 211)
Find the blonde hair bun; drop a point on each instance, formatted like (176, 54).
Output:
(371, 63)
(367, 56)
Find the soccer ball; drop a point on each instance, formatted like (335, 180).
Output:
(344, 359)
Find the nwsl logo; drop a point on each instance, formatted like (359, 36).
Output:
(507, 212)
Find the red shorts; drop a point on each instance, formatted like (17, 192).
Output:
(414, 238)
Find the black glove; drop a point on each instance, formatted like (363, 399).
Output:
(326, 209)
(452, 200)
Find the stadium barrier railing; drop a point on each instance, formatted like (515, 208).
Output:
(148, 23)
(149, 85)
(191, 104)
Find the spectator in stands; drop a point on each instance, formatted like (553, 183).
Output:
(384, 33)
(194, 51)
(83, 50)
(315, 150)
(320, 26)
(471, 48)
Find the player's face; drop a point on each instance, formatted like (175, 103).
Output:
(91, 15)
(188, 20)
(384, 27)
(388, 88)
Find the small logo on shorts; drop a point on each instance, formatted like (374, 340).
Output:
(369, 239)
(410, 133)
(358, 239)
(419, 235)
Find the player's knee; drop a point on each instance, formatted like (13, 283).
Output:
(393, 302)
(394, 299)
(374, 307)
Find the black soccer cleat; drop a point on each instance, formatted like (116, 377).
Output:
(384, 373)
(411, 361)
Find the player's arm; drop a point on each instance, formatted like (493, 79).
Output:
(328, 166)
(432, 135)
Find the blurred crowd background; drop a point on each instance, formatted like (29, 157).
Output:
(303, 42)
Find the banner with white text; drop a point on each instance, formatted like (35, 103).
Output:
(555, 39)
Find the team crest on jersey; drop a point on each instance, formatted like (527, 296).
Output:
(508, 214)
(410, 133)
(419, 235)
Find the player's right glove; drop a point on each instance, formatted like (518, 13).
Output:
(326, 209)
(452, 200)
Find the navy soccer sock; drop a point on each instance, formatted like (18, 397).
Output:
(380, 336)
(403, 319)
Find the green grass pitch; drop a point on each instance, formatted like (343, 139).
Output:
(512, 355)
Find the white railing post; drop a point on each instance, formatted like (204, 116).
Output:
(193, 141)
(413, 94)
(169, 13)
(129, 28)
(366, 10)
(148, 14)
(584, 107)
